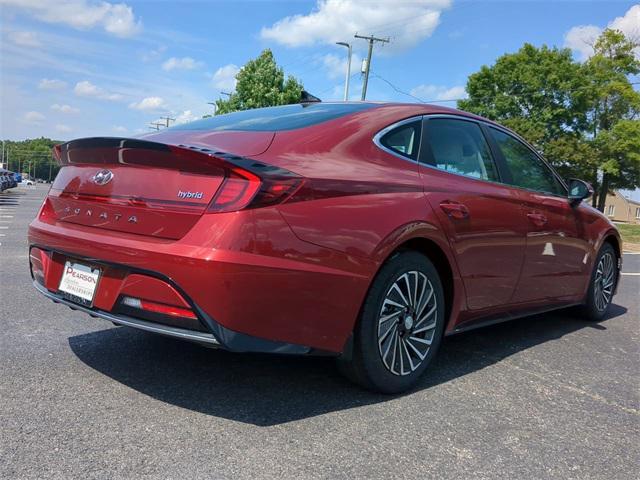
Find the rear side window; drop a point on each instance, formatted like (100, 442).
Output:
(403, 140)
(272, 119)
(458, 146)
(527, 170)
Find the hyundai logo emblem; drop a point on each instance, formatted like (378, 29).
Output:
(103, 177)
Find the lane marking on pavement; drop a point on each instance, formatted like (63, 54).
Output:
(4, 228)
(631, 253)
(631, 274)
(6, 216)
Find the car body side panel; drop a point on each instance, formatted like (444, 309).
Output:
(557, 253)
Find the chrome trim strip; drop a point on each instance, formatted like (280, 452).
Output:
(385, 130)
(133, 322)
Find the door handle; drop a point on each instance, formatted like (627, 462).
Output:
(455, 210)
(538, 219)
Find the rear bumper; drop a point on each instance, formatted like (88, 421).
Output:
(167, 330)
(253, 285)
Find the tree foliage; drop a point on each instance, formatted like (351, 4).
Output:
(31, 155)
(261, 83)
(577, 114)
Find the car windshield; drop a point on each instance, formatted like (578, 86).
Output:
(286, 117)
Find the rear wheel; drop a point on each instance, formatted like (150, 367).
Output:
(602, 284)
(400, 326)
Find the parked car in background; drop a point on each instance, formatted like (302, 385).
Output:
(360, 230)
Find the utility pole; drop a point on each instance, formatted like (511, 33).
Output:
(371, 39)
(346, 81)
(156, 126)
(167, 120)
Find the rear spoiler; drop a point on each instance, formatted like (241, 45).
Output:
(133, 151)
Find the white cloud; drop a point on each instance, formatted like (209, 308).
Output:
(581, 38)
(149, 104)
(407, 23)
(63, 128)
(64, 108)
(225, 77)
(34, 118)
(25, 39)
(51, 84)
(154, 53)
(88, 89)
(119, 129)
(115, 18)
(185, 63)
(436, 92)
(187, 116)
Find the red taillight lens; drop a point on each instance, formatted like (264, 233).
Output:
(235, 193)
(160, 308)
(242, 189)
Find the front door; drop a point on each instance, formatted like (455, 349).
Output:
(556, 250)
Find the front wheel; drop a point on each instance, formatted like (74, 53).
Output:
(602, 284)
(400, 325)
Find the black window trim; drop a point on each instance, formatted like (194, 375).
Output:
(423, 161)
(377, 138)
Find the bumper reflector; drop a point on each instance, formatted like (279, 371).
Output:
(158, 308)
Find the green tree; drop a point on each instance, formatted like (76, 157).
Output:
(564, 107)
(612, 99)
(31, 155)
(261, 83)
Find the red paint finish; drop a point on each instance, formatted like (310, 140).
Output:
(284, 245)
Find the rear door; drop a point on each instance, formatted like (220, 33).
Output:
(481, 216)
(556, 252)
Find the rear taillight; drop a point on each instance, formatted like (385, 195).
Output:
(243, 189)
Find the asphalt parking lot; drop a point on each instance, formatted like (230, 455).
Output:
(548, 396)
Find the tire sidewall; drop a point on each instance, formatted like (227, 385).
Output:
(367, 342)
(592, 311)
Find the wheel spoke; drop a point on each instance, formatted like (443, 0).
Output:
(386, 334)
(390, 316)
(421, 340)
(397, 289)
(426, 315)
(426, 302)
(418, 353)
(411, 365)
(430, 326)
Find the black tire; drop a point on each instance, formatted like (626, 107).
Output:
(593, 309)
(367, 365)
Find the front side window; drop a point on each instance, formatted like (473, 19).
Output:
(403, 140)
(527, 170)
(458, 146)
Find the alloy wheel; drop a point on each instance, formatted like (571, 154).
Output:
(604, 281)
(407, 323)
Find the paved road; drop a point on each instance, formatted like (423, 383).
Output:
(543, 397)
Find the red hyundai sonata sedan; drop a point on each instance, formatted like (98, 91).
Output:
(361, 230)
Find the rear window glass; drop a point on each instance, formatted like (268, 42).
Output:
(286, 117)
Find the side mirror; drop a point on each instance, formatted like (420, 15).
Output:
(579, 190)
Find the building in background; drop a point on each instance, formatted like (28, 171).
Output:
(621, 209)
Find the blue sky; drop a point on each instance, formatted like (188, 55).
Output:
(74, 68)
